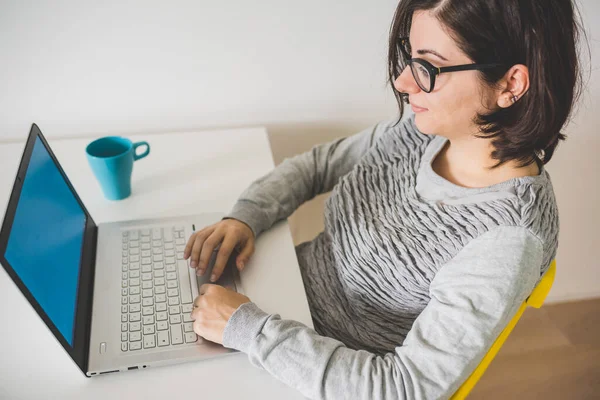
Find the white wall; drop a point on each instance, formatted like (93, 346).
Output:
(310, 71)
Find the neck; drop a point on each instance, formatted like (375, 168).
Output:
(466, 161)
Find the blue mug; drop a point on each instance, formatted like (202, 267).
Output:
(111, 159)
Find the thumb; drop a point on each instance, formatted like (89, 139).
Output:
(245, 254)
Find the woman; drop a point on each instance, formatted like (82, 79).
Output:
(438, 227)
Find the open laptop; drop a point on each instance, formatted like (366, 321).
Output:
(117, 296)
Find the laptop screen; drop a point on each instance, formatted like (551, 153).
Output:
(45, 243)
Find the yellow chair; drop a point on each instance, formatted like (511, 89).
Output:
(535, 299)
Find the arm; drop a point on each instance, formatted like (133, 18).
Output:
(296, 180)
(473, 297)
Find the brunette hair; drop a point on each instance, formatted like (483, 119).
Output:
(541, 34)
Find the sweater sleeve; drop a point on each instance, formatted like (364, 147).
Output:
(276, 195)
(473, 297)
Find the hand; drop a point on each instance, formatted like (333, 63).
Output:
(212, 310)
(229, 233)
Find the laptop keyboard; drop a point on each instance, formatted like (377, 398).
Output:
(156, 296)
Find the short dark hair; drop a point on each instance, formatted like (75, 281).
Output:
(541, 34)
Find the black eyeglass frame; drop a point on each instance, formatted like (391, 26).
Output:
(434, 71)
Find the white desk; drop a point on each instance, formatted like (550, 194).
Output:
(185, 173)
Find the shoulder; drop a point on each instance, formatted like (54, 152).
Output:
(402, 136)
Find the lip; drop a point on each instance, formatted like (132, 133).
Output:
(417, 109)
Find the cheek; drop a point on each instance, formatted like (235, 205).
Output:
(452, 107)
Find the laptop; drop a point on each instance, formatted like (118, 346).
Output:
(117, 296)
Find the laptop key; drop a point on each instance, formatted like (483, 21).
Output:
(191, 337)
(175, 319)
(160, 298)
(123, 336)
(149, 319)
(134, 265)
(160, 290)
(135, 345)
(162, 325)
(134, 326)
(161, 307)
(161, 316)
(148, 311)
(184, 281)
(134, 307)
(124, 327)
(124, 346)
(188, 327)
(163, 338)
(146, 285)
(148, 301)
(135, 298)
(168, 235)
(135, 336)
(176, 334)
(134, 290)
(149, 341)
(148, 329)
(186, 308)
(135, 317)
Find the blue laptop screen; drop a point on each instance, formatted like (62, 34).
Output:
(45, 243)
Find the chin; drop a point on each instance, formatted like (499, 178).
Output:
(424, 124)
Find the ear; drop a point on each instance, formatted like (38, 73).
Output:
(514, 85)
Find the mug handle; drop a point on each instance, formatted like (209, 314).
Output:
(144, 154)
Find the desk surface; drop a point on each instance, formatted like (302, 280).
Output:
(185, 173)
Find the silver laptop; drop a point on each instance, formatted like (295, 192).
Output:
(117, 296)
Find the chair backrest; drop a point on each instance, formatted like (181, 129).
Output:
(535, 299)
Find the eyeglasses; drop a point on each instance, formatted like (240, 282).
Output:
(425, 73)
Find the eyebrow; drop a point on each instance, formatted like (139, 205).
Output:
(435, 53)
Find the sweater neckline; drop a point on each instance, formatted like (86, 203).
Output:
(436, 146)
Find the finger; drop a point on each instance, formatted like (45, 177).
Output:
(207, 249)
(204, 232)
(245, 254)
(196, 250)
(202, 290)
(222, 256)
(188, 247)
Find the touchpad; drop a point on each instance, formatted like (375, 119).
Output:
(229, 275)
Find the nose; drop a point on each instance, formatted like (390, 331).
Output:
(405, 82)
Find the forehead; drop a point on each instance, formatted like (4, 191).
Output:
(426, 32)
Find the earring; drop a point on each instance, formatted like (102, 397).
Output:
(514, 98)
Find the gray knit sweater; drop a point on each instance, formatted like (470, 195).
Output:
(413, 277)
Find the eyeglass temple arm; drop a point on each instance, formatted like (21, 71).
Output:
(467, 67)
